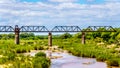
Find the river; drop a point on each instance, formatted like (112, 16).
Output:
(67, 60)
(70, 61)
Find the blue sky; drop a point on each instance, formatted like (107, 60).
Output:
(50, 13)
(79, 1)
(91, 1)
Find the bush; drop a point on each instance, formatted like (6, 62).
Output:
(40, 54)
(21, 50)
(3, 60)
(101, 58)
(11, 56)
(113, 62)
(36, 47)
(41, 62)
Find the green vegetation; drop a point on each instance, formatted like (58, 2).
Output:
(102, 46)
(40, 54)
(11, 55)
(101, 53)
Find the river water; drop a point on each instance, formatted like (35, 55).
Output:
(69, 61)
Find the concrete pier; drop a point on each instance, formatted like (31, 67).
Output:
(83, 37)
(50, 39)
(17, 31)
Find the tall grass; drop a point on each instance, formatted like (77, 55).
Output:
(91, 50)
(9, 54)
(101, 53)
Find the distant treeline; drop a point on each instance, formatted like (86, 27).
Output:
(109, 37)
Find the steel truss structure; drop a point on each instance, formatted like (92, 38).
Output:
(57, 29)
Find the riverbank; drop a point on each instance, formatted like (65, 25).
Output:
(66, 60)
(101, 53)
(104, 53)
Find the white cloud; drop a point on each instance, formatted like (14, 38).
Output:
(7, 1)
(71, 6)
(63, 13)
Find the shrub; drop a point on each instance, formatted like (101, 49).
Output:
(11, 56)
(3, 60)
(40, 54)
(41, 62)
(38, 47)
(113, 62)
(101, 58)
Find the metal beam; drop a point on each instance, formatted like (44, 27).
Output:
(6, 29)
(99, 29)
(66, 29)
(33, 29)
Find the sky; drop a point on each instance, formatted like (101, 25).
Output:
(52, 13)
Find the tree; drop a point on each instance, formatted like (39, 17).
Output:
(106, 36)
(41, 37)
(78, 35)
(4, 36)
(118, 37)
(27, 35)
(65, 36)
(11, 36)
(96, 34)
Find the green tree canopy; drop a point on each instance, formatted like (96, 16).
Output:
(65, 36)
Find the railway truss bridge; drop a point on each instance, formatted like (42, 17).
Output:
(56, 29)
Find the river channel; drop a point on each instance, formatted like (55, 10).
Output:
(67, 60)
(70, 61)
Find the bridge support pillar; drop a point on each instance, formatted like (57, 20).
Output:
(50, 39)
(83, 37)
(50, 44)
(17, 31)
